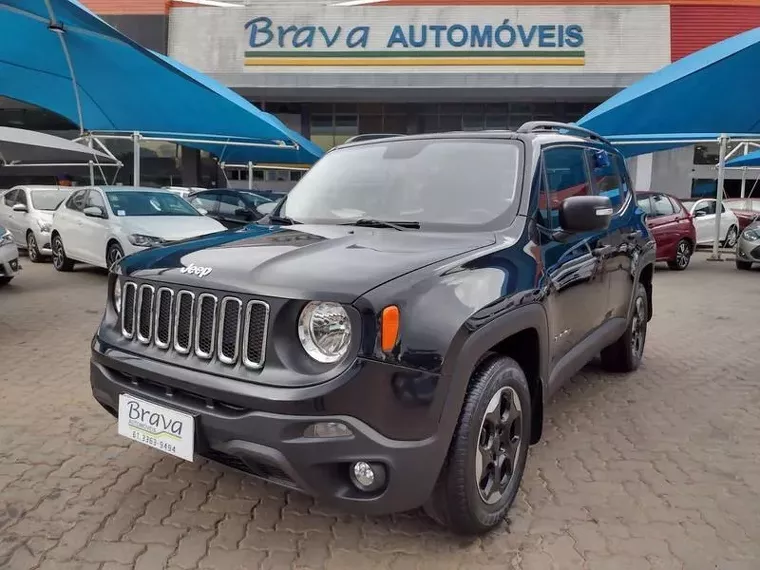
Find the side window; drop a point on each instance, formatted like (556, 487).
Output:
(21, 197)
(208, 202)
(10, 198)
(95, 199)
(229, 204)
(676, 206)
(722, 208)
(705, 208)
(662, 205)
(606, 178)
(645, 204)
(76, 200)
(566, 176)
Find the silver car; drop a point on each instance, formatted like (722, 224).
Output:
(9, 266)
(748, 246)
(27, 212)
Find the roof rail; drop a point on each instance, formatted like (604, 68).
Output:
(539, 126)
(371, 137)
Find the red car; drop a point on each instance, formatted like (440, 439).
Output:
(746, 210)
(672, 228)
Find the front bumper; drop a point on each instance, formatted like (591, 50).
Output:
(43, 242)
(748, 250)
(272, 446)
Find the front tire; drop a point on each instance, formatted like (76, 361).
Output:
(32, 251)
(5, 280)
(743, 265)
(486, 461)
(114, 254)
(60, 261)
(683, 256)
(625, 354)
(731, 237)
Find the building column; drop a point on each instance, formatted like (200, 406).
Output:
(643, 173)
(190, 166)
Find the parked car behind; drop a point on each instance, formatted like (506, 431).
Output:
(27, 212)
(746, 210)
(9, 266)
(703, 213)
(748, 247)
(183, 191)
(231, 207)
(101, 225)
(672, 227)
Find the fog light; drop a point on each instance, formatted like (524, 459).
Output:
(367, 476)
(327, 430)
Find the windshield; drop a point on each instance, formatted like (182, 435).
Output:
(462, 182)
(254, 199)
(48, 199)
(146, 203)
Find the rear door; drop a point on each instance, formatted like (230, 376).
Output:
(578, 292)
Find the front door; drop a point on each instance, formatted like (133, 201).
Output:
(704, 221)
(95, 231)
(664, 223)
(573, 267)
(9, 218)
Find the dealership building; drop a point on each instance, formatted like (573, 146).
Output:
(332, 69)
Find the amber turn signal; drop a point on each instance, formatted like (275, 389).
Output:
(389, 323)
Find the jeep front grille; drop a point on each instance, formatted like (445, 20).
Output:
(206, 325)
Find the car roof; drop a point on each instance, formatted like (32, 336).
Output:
(33, 187)
(130, 189)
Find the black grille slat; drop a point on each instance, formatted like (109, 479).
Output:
(205, 325)
(145, 313)
(229, 333)
(129, 292)
(163, 332)
(183, 322)
(254, 338)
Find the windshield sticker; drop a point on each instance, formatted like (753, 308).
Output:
(121, 213)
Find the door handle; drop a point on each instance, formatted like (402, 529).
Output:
(633, 236)
(603, 251)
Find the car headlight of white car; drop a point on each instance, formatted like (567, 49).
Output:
(44, 226)
(141, 240)
(6, 238)
(324, 330)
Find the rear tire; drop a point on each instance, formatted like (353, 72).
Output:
(743, 265)
(32, 251)
(625, 354)
(486, 460)
(683, 256)
(60, 261)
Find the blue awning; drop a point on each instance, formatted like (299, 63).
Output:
(750, 159)
(124, 87)
(714, 90)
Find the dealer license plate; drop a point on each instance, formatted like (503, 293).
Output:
(165, 429)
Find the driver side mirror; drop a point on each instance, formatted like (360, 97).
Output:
(20, 208)
(244, 213)
(580, 214)
(699, 213)
(94, 212)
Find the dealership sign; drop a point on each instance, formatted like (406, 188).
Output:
(270, 43)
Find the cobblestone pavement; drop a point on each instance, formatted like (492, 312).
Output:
(657, 470)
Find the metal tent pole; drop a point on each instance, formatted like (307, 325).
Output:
(250, 175)
(744, 172)
(92, 164)
(136, 159)
(719, 196)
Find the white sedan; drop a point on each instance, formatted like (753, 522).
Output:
(9, 266)
(704, 211)
(100, 225)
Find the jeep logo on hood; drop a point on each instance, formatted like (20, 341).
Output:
(193, 269)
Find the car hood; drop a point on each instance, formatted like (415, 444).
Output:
(300, 262)
(171, 228)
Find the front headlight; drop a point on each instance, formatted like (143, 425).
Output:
(117, 296)
(324, 330)
(751, 235)
(145, 241)
(44, 226)
(6, 238)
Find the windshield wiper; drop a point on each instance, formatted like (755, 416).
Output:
(371, 223)
(283, 220)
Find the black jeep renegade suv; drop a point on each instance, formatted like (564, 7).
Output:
(392, 334)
